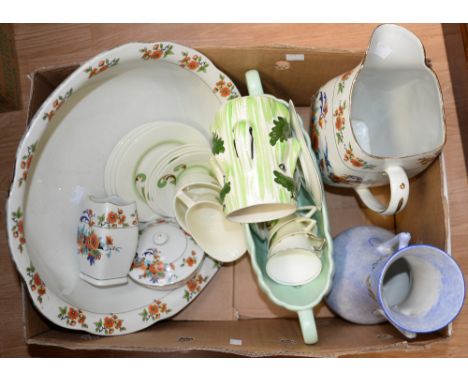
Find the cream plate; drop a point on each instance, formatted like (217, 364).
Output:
(135, 147)
(61, 160)
(312, 178)
(148, 162)
(161, 186)
(166, 256)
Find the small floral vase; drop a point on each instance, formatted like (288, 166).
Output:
(378, 277)
(106, 241)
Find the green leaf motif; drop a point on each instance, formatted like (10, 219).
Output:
(285, 181)
(217, 145)
(224, 191)
(281, 131)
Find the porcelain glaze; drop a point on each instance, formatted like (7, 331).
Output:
(380, 122)
(66, 147)
(255, 156)
(378, 277)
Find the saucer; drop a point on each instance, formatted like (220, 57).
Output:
(148, 162)
(166, 256)
(161, 187)
(101, 102)
(134, 149)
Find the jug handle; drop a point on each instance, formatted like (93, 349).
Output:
(254, 84)
(399, 190)
(308, 327)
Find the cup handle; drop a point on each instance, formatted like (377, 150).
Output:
(184, 198)
(310, 211)
(399, 190)
(308, 327)
(254, 84)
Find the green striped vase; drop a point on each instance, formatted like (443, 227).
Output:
(255, 156)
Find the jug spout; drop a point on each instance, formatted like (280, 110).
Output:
(394, 47)
(397, 242)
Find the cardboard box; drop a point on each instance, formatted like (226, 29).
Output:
(232, 315)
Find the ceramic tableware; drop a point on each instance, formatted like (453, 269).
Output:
(147, 163)
(311, 178)
(300, 298)
(382, 121)
(122, 169)
(305, 212)
(219, 237)
(161, 186)
(196, 192)
(166, 256)
(297, 298)
(67, 145)
(107, 239)
(293, 266)
(417, 288)
(255, 156)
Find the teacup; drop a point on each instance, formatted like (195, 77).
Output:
(196, 192)
(255, 156)
(204, 219)
(293, 266)
(107, 240)
(197, 174)
(296, 233)
(305, 212)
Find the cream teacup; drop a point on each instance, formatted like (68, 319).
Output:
(197, 192)
(294, 266)
(220, 238)
(107, 239)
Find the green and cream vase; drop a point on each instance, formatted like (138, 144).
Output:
(255, 156)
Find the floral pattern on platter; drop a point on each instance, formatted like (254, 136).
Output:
(57, 104)
(355, 161)
(72, 316)
(113, 219)
(109, 324)
(341, 83)
(193, 286)
(35, 283)
(153, 267)
(157, 51)
(154, 311)
(194, 62)
(189, 261)
(225, 89)
(91, 245)
(101, 67)
(18, 228)
(340, 120)
(53, 301)
(26, 163)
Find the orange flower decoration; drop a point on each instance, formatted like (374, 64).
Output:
(118, 324)
(192, 65)
(20, 226)
(37, 279)
(192, 285)
(153, 309)
(108, 322)
(72, 314)
(109, 240)
(156, 54)
(112, 217)
(92, 241)
(191, 261)
(224, 91)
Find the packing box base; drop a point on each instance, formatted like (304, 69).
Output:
(232, 315)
